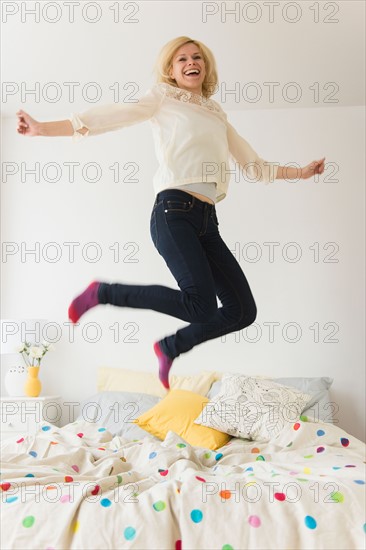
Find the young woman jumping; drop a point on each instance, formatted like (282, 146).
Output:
(194, 142)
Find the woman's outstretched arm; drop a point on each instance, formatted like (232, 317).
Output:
(28, 126)
(290, 172)
(260, 170)
(96, 120)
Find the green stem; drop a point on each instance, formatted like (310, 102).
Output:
(25, 359)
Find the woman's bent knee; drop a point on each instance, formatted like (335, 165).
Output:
(248, 317)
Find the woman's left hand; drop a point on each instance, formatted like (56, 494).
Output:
(315, 167)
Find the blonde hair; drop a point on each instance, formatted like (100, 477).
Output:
(164, 63)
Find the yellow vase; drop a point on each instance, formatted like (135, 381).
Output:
(33, 384)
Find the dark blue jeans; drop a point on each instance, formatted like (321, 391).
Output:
(185, 232)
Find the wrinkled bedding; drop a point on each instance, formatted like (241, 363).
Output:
(78, 487)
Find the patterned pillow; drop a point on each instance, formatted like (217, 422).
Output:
(320, 407)
(252, 408)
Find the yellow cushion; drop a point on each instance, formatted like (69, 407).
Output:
(177, 412)
(116, 379)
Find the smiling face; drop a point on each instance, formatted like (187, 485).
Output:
(188, 68)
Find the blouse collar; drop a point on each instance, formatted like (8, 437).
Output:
(187, 96)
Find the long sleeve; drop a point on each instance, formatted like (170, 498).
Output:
(255, 168)
(111, 117)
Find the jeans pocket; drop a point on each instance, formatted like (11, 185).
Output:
(177, 205)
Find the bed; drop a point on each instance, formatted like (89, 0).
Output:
(105, 482)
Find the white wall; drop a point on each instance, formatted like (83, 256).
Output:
(311, 292)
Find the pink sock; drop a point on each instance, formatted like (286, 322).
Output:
(164, 365)
(83, 302)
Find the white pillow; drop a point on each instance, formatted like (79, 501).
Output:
(252, 408)
(116, 410)
(130, 380)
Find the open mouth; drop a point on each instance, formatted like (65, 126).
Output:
(192, 73)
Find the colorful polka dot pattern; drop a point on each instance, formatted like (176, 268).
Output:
(317, 454)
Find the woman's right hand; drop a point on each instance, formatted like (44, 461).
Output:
(27, 126)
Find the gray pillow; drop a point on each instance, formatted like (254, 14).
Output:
(320, 405)
(115, 410)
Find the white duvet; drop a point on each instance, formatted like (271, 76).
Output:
(77, 487)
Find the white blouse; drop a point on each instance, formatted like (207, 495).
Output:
(192, 137)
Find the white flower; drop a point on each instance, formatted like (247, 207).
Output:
(20, 348)
(47, 345)
(36, 352)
